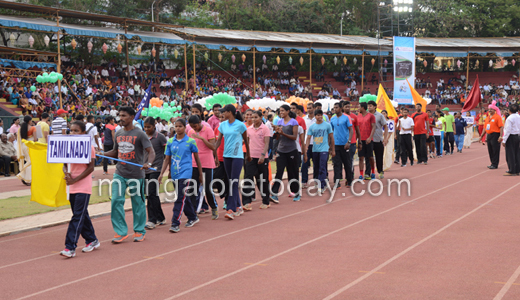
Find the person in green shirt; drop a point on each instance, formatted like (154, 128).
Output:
(449, 126)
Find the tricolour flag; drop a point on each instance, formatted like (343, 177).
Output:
(145, 102)
(384, 103)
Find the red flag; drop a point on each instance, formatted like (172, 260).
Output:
(474, 97)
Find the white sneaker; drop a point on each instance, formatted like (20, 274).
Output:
(68, 253)
(149, 225)
(91, 246)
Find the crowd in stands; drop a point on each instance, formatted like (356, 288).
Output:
(101, 90)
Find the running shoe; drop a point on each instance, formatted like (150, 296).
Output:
(138, 237)
(91, 246)
(239, 212)
(214, 213)
(297, 198)
(368, 177)
(265, 206)
(68, 253)
(161, 222)
(202, 211)
(396, 162)
(304, 185)
(175, 229)
(248, 207)
(381, 175)
(274, 199)
(360, 177)
(372, 176)
(292, 195)
(190, 223)
(224, 207)
(230, 215)
(119, 238)
(149, 225)
(403, 166)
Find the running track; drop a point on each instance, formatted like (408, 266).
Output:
(456, 237)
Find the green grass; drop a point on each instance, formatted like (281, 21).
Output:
(16, 207)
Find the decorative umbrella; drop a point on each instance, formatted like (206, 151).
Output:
(458, 63)
(165, 52)
(355, 61)
(278, 59)
(335, 60)
(119, 48)
(344, 60)
(449, 63)
(373, 61)
(233, 58)
(73, 43)
(220, 57)
(386, 62)
(264, 59)
(89, 46)
(12, 38)
(301, 60)
(477, 63)
(206, 56)
(46, 40)
(176, 53)
(513, 62)
(425, 63)
(322, 60)
(243, 58)
(290, 60)
(154, 52)
(490, 63)
(31, 41)
(139, 49)
(104, 48)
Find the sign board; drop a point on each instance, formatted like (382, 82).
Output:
(69, 149)
(391, 125)
(469, 120)
(404, 68)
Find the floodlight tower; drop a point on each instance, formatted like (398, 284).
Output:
(403, 9)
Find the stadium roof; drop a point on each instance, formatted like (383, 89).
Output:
(216, 39)
(40, 24)
(265, 41)
(68, 13)
(505, 46)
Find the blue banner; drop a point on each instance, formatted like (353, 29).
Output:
(404, 68)
(145, 103)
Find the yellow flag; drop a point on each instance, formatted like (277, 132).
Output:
(48, 186)
(417, 97)
(383, 103)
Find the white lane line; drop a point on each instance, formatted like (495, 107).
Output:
(318, 238)
(508, 285)
(250, 227)
(353, 283)
(45, 256)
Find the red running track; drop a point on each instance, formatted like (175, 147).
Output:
(455, 237)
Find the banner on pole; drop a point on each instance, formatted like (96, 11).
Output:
(69, 149)
(404, 68)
